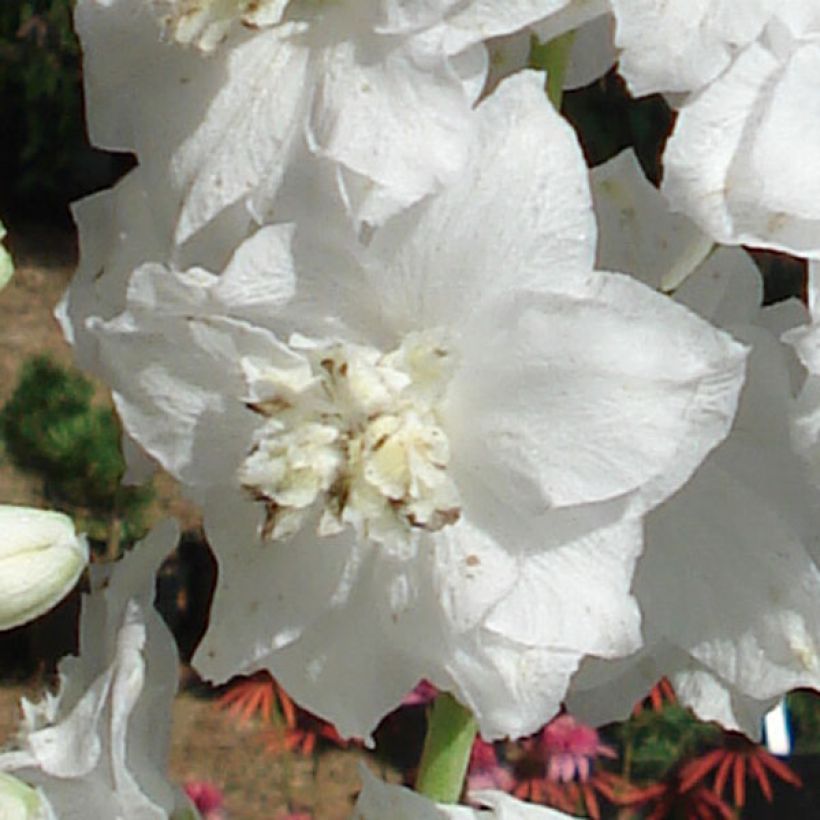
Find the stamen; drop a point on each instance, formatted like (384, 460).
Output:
(361, 438)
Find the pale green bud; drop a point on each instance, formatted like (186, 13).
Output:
(41, 558)
(20, 802)
(6, 265)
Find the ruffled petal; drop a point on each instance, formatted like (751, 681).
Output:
(483, 19)
(98, 748)
(605, 390)
(504, 225)
(170, 409)
(399, 118)
(636, 232)
(681, 46)
(639, 235)
(242, 144)
(736, 160)
(728, 589)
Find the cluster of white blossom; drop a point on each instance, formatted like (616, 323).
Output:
(349, 297)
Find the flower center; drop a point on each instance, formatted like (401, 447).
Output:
(356, 432)
(205, 23)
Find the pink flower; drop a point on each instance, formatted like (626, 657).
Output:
(423, 693)
(207, 798)
(485, 771)
(569, 747)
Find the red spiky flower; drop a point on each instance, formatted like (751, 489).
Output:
(660, 695)
(300, 731)
(698, 801)
(295, 729)
(738, 760)
(245, 697)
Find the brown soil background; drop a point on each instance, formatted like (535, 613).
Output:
(207, 744)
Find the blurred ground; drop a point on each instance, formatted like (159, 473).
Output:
(206, 744)
(209, 745)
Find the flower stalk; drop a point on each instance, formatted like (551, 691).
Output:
(451, 730)
(553, 57)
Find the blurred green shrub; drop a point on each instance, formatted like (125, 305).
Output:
(52, 429)
(804, 708)
(655, 741)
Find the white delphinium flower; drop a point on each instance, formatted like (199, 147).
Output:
(41, 559)
(743, 160)
(427, 460)
(682, 45)
(99, 747)
(728, 588)
(379, 800)
(381, 89)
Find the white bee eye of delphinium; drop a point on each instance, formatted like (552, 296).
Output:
(357, 434)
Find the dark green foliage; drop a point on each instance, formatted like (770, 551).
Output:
(804, 709)
(45, 159)
(52, 429)
(656, 741)
(607, 120)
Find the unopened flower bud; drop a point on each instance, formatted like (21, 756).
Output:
(41, 558)
(6, 265)
(20, 802)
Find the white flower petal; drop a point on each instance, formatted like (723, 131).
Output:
(379, 800)
(571, 17)
(596, 561)
(604, 691)
(483, 19)
(667, 251)
(780, 149)
(401, 119)
(301, 576)
(728, 589)
(96, 750)
(241, 147)
(757, 627)
(681, 46)
(502, 226)
(168, 409)
(736, 160)
(505, 807)
(561, 425)
(637, 234)
(710, 698)
(593, 50)
(726, 289)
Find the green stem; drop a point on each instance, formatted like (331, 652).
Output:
(553, 57)
(451, 730)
